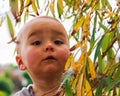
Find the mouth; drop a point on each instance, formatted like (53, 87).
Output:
(50, 58)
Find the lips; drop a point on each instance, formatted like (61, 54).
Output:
(49, 58)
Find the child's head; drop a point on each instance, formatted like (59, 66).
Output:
(42, 47)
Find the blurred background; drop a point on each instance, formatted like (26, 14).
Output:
(12, 79)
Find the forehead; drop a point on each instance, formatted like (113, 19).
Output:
(43, 24)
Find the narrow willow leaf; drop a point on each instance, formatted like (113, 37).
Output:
(69, 61)
(92, 41)
(102, 26)
(60, 3)
(10, 27)
(109, 14)
(91, 69)
(26, 15)
(76, 46)
(34, 7)
(21, 8)
(52, 7)
(76, 4)
(88, 88)
(100, 63)
(28, 2)
(37, 2)
(14, 7)
(80, 89)
(99, 89)
(105, 42)
(60, 7)
(97, 51)
(68, 91)
(78, 24)
(86, 26)
(112, 84)
(76, 67)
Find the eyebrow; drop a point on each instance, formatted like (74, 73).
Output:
(32, 34)
(56, 32)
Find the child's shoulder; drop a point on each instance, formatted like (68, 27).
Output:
(26, 91)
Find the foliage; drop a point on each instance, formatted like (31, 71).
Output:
(95, 28)
(27, 77)
(6, 85)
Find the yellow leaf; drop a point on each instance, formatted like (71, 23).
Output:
(69, 61)
(60, 3)
(94, 3)
(109, 14)
(91, 69)
(86, 26)
(80, 90)
(21, 8)
(79, 24)
(88, 89)
(77, 4)
(34, 7)
(76, 46)
(52, 7)
(28, 2)
(76, 67)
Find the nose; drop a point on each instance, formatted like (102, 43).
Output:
(49, 47)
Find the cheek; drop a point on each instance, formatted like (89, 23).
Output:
(31, 56)
(63, 55)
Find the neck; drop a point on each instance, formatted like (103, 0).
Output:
(46, 88)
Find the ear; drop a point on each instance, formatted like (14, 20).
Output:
(20, 63)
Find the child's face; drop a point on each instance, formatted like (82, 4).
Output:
(44, 47)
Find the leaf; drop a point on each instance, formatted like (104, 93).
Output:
(37, 2)
(100, 63)
(97, 51)
(26, 15)
(109, 14)
(102, 26)
(76, 67)
(105, 42)
(80, 85)
(76, 46)
(69, 61)
(10, 27)
(68, 91)
(86, 26)
(60, 7)
(28, 3)
(34, 7)
(21, 8)
(91, 69)
(88, 88)
(14, 7)
(52, 7)
(99, 89)
(78, 24)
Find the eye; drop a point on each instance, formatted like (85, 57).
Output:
(36, 43)
(58, 42)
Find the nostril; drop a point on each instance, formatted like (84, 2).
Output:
(49, 49)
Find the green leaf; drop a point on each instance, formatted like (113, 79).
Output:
(10, 26)
(98, 49)
(99, 89)
(113, 84)
(102, 26)
(37, 2)
(105, 42)
(59, 10)
(68, 91)
(100, 63)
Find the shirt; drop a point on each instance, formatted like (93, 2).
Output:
(26, 91)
